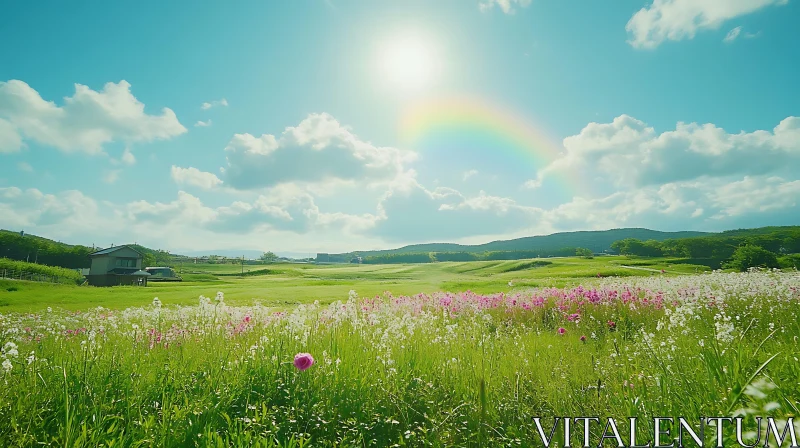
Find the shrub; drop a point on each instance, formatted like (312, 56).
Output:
(750, 256)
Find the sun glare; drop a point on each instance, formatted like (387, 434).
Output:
(408, 63)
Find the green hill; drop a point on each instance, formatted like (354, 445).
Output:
(40, 250)
(597, 241)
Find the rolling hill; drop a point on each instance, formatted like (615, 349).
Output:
(597, 241)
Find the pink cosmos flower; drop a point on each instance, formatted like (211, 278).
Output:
(303, 361)
(562, 330)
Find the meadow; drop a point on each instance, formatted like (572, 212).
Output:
(409, 367)
(289, 284)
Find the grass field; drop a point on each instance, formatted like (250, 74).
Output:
(283, 285)
(92, 367)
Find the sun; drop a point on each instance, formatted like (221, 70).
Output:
(408, 63)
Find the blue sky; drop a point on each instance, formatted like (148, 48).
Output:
(676, 114)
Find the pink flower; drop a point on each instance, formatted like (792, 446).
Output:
(562, 330)
(303, 361)
(612, 325)
(583, 338)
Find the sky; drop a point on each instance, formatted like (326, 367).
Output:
(311, 126)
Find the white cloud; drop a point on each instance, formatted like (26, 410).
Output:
(415, 214)
(88, 120)
(717, 203)
(753, 194)
(194, 177)
(283, 208)
(318, 150)
(10, 140)
(54, 216)
(25, 166)
(469, 173)
(186, 209)
(111, 176)
(215, 103)
(677, 20)
(629, 153)
(507, 6)
(732, 35)
(128, 158)
(532, 183)
(203, 124)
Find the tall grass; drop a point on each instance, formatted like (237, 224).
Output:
(428, 370)
(69, 275)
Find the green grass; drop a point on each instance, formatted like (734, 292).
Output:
(43, 272)
(468, 371)
(289, 284)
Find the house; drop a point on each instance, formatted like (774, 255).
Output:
(162, 274)
(120, 265)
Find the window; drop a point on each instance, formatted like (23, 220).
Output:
(126, 262)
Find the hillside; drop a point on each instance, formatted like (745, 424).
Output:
(41, 250)
(597, 241)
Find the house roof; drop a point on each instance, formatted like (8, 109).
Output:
(112, 249)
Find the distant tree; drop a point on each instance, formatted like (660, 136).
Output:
(750, 256)
(583, 252)
(633, 246)
(149, 260)
(268, 257)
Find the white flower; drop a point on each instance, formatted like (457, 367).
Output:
(7, 366)
(220, 297)
(156, 302)
(10, 350)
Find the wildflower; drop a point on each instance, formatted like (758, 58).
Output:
(612, 325)
(583, 338)
(562, 330)
(156, 302)
(10, 349)
(7, 366)
(303, 361)
(220, 297)
(510, 283)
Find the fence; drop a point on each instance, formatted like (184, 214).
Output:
(15, 274)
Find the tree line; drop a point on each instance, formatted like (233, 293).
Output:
(15, 246)
(738, 249)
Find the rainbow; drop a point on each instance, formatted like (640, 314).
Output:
(425, 125)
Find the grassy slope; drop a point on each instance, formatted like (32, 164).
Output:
(288, 284)
(595, 240)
